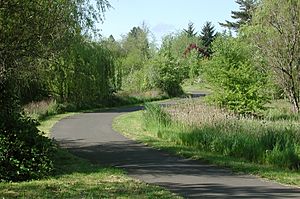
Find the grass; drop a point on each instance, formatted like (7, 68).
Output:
(215, 130)
(191, 85)
(74, 177)
(175, 140)
(77, 178)
(42, 110)
(46, 125)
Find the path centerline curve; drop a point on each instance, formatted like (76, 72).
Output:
(90, 136)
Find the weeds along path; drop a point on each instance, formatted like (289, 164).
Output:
(90, 136)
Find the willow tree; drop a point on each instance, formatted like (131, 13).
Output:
(276, 33)
(33, 34)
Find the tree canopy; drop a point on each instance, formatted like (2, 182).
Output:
(243, 16)
(275, 33)
(190, 31)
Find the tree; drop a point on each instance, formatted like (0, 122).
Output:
(118, 53)
(237, 80)
(169, 73)
(276, 33)
(33, 35)
(243, 16)
(136, 47)
(207, 36)
(190, 31)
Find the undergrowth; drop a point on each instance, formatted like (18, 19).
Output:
(213, 130)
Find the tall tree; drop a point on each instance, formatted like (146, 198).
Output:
(243, 16)
(276, 33)
(34, 32)
(190, 31)
(136, 46)
(33, 35)
(207, 35)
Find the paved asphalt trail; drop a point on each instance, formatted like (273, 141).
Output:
(89, 135)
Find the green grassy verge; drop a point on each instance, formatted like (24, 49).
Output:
(190, 85)
(77, 178)
(131, 125)
(74, 177)
(46, 125)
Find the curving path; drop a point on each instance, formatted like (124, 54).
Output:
(89, 135)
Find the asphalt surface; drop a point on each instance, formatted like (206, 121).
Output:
(90, 136)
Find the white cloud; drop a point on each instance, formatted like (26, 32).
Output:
(162, 28)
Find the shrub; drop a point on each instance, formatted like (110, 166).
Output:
(237, 81)
(169, 73)
(24, 153)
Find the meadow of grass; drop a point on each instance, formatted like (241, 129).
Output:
(267, 147)
(275, 142)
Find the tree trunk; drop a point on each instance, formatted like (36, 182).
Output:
(295, 103)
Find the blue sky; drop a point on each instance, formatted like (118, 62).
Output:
(164, 16)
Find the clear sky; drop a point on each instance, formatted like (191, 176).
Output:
(164, 16)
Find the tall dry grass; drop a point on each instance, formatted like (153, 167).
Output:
(40, 110)
(196, 124)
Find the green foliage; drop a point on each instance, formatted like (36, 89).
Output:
(244, 16)
(85, 76)
(208, 35)
(275, 33)
(34, 35)
(178, 42)
(154, 116)
(137, 50)
(190, 31)
(238, 82)
(251, 140)
(265, 146)
(169, 73)
(25, 153)
(192, 63)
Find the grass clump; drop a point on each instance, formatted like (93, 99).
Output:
(42, 109)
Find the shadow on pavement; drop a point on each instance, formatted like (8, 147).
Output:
(160, 168)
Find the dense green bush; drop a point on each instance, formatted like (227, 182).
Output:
(238, 82)
(168, 71)
(24, 153)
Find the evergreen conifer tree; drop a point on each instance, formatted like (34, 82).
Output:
(243, 16)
